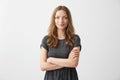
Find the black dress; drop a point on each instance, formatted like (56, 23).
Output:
(62, 51)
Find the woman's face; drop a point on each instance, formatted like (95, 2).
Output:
(61, 19)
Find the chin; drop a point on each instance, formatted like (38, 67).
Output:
(61, 27)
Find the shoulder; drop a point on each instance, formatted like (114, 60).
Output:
(44, 42)
(77, 37)
(45, 37)
(77, 41)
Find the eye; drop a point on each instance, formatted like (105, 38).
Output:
(57, 17)
(65, 17)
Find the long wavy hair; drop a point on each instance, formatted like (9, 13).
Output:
(52, 31)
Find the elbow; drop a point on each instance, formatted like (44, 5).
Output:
(42, 68)
(74, 65)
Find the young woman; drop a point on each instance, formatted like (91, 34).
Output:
(60, 49)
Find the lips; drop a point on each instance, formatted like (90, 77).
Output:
(61, 24)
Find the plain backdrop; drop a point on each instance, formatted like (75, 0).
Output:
(23, 24)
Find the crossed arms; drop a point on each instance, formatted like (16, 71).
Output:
(52, 63)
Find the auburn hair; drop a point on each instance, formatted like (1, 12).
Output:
(52, 39)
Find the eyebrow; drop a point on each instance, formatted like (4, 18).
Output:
(62, 16)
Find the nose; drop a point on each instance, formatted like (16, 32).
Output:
(61, 20)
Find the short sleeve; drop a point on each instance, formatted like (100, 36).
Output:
(44, 43)
(77, 42)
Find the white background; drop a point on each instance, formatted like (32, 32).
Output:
(23, 23)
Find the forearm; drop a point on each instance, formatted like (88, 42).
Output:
(49, 66)
(63, 62)
(71, 61)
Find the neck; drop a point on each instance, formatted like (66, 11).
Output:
(61, 34)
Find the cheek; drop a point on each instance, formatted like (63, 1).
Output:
(66, 21)
(55, 21)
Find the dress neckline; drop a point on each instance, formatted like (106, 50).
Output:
(61, 39)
